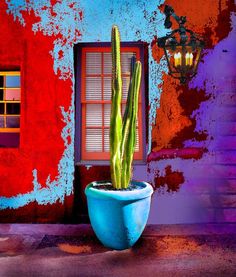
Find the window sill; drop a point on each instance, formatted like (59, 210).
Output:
(105, 163)
(9, 130)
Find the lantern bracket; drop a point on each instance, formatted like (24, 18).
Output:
(169, 11)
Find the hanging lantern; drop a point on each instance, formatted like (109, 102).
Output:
(182, 48)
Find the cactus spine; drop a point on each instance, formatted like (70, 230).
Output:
(122, 135)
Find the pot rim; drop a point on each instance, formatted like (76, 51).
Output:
(121, 195)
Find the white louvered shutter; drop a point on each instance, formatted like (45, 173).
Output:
(97, 98)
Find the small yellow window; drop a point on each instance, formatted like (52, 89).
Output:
(10, 101)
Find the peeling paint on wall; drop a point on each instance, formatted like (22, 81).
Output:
(182, 118)
(172, 180)
(177, 118)
(60, 19)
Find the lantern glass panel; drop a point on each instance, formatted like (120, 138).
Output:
(197, 55)
(174, 58)
(182, 60)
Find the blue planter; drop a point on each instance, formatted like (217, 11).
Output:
(118, 217)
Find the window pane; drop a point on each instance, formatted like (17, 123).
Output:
(1, 94)
(1, 108)
(107, 140)
(13, 108)
(1, 121)
(12, 94)
(93, 88)
(13, 121)
(137, 141)
(126, 59)
(123, 109)
(94, 140)
(93, 63)
(125, 87)
(9, 140)
(107, 63)
(1, 81)
(12, 81)
(123, 106)
(107, 114)
(107, 88)
(93, 115)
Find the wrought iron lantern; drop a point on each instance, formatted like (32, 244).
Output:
(182, 48)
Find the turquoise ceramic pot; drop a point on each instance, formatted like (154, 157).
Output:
(118, 217)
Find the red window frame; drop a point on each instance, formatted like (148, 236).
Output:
(104, 156)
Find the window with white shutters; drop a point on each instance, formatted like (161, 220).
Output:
(95, 100)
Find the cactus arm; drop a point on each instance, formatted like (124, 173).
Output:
(116, 119)
(132, 64)
(126, 118)
(130, 134)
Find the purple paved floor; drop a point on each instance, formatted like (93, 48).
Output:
(73, 250)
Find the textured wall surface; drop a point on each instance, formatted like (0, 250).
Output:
(191, 144)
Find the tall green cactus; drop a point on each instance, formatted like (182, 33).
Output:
(122, 136)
